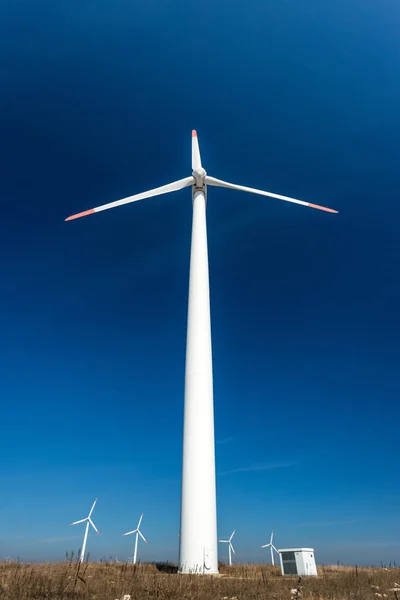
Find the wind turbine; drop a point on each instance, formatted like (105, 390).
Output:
(138, 532)
(230, 546)
(270, 545)
(88, 522)
(198, 540)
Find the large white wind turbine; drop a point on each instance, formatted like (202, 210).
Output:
(137, 532)
(88, 522)
(271, 545)
(198, 539)
(230, 546)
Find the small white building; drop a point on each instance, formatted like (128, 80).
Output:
(298, 561)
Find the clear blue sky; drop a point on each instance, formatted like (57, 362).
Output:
(98, 102)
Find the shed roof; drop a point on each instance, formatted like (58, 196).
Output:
(297, 550)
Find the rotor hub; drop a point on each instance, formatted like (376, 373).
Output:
(199, 175)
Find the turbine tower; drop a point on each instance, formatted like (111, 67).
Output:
(230, 546)
(198, 539)
(88, 522)
(271, 545)
(137, 532)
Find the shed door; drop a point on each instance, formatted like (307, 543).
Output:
(289, 563)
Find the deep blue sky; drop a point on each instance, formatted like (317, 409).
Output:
(98, 99)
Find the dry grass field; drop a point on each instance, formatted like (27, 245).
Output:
(110, 581)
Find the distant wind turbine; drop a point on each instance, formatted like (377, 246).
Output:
(230, 546)
(137, 532)
(198, 551)
(88, 521)
(270, 545)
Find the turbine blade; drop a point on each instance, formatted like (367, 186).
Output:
(76, 522)
(265, 546)
(91, 510)
(94, 526)
(142, 536)
(217, 182)
(232, 534)
(140, 520)
(129, 532)
(196, 160)
(232, 548)
(272, 536)
(164, 189)
(276, 550)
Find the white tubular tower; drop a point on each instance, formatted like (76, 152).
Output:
(198, 539)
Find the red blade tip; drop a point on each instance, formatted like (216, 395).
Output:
(194, 133)
(77, 216)
(331, 210)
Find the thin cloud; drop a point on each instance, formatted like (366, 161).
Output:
(225, 440)
(267, 467)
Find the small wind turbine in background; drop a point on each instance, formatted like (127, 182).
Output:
(138, 532)
(270, 545)
(88, 522)
(230, 546)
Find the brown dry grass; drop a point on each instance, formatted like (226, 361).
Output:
(110, 581)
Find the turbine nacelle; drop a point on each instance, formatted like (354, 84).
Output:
(199, 175)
